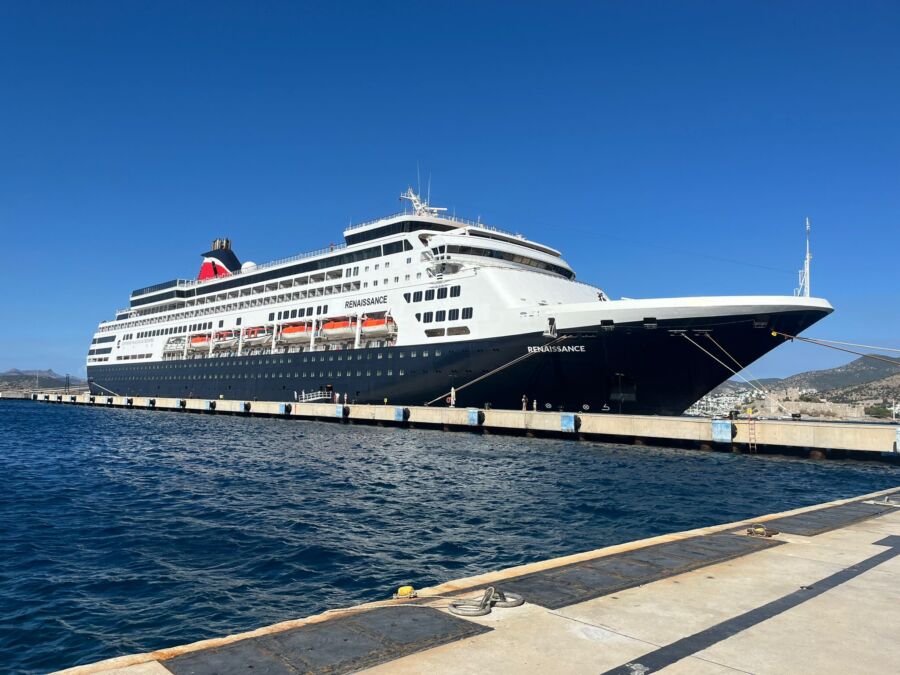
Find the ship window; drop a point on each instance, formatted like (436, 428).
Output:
(454, 291)
(440, 315)
(428, 317)
(429, 294)
(279, 316)
(221, 323)
(237, 321)
(293, 313)
(417, 296)
(467, 313)
(375, 282)
(458, 330)
(442, 293)
(434, 332)
(407, 297)
(325, 309)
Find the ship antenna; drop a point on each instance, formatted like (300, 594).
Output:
(803, 289)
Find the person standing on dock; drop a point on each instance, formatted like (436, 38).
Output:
(524, 402)
(452, 397)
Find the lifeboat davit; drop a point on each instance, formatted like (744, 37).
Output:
(200, 342)
(296, 332)
(259, 335)
(378, 327)
(225, 340)
(339, 329)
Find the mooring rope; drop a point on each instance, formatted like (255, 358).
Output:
(821, 343)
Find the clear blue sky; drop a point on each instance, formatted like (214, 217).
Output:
(666, 148)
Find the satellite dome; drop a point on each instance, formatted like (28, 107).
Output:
(248, 266)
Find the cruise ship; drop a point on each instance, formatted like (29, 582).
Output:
(424, 308)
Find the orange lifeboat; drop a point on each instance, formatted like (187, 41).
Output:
(378, 327)
(200, 342)
(338, 329)
(296, 332)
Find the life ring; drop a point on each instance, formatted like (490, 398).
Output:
(447, 400)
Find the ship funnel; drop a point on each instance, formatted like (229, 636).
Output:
(219, 261)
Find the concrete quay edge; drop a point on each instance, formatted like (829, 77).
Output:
(127, 663)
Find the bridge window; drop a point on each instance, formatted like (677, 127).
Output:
(467, 313)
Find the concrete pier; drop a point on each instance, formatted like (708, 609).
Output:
(817, 439)
(812, 591)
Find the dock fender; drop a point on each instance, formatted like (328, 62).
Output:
(343, 411)
(569, 422)
(34, 397)
(247, 406)
(72, 399)
(401, 414)
(59, 398)
(182, 403)
(129, 402)
(475, 417)
(210, 405)
(109, 400)
(152, 402)
(93, 399)
(285, 408)
(46, 397)
(723, 431)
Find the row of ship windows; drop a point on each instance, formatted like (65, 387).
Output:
(444, 315)
(175, 330)
(418, 296)
(295, 313)
(279, 374)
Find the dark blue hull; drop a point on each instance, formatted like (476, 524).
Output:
(632, 368)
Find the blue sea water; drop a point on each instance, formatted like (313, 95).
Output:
(124, 531)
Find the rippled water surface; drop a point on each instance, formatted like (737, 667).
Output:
(126, 531)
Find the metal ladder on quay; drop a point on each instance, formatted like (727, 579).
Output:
(751, 434)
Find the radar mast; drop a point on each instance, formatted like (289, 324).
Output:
(420, 207)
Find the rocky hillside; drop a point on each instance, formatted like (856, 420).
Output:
(850, 382)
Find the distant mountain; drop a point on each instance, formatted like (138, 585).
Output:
(860, 371)
(862, 374)
(19, 380)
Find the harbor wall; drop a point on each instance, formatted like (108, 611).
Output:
(815, 438)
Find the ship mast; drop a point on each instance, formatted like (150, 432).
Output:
(420, 207)
(803, 289)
